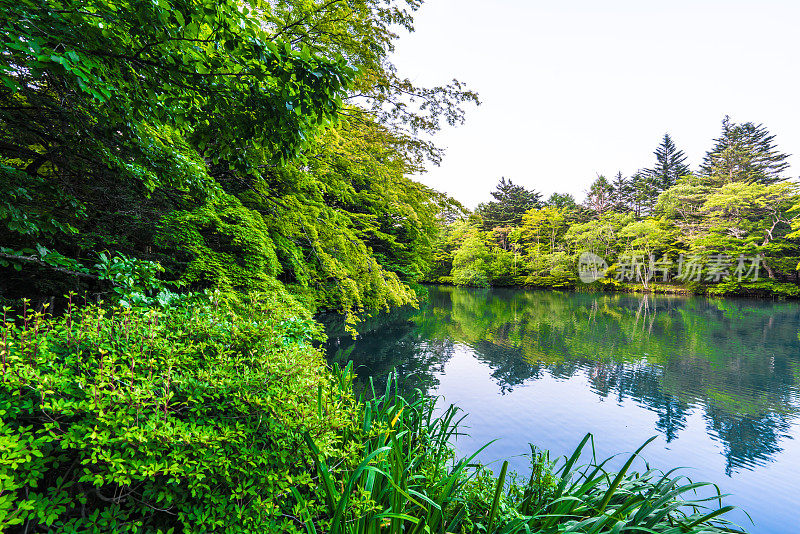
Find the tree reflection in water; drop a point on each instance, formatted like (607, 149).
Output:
(734, 359)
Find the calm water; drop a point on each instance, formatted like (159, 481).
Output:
(715, 379)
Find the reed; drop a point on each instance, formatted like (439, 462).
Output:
(409, 480)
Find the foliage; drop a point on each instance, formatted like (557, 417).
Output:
(470, 261)
(135, 420)
(240, 146)
(113, 114)
(744, 153)
(509, 205)
(599, 196)
(662, 229)
(670, 165)
(410, 481)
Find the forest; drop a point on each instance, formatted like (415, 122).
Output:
(730, 227)
(184, 184)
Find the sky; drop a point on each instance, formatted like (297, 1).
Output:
(572, 89)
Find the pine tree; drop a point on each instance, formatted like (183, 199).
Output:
(670, 165)
(509, 205)
(644, 194)
(744, 153)
(622, 193)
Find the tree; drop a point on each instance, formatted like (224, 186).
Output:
(210, 137)
(599, 196)
(670, 165)
(365, 32)
(744, 153)
(622, 193)
(751, 219)
(649, 241)
(112, 116)
(683, 200)
(509, 205)
(599, 236)
(542, 230)
(561, 201)
(644, 194)
(470, 261)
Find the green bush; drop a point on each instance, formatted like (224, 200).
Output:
(136, 420)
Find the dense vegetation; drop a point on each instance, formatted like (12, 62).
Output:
(200, 177)
(732, 227)
(240, 146)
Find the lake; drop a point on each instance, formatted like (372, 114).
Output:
(716, 380)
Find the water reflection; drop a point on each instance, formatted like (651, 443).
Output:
(736, 361)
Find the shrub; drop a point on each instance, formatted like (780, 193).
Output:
(136, 420)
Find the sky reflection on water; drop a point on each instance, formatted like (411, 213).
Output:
(715, 379)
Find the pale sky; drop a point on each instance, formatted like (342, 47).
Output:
(575, 88)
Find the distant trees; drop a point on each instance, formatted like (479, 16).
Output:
(561, 200)
(510, 203)
(647, 184)
(738, 215)
(599, 198)
(744, 153)
(669, 167)
(622, 193)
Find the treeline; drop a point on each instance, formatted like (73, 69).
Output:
(732, 226)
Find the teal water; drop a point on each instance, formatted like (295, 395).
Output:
(715, 379)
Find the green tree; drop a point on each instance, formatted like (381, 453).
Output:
(651, 243)
(509, 205)
(744, 152)
(365, 32)
(751, 219)
(470, 261)
(600, 236)
(622, 193)
(684, 200)
(541, 238)
(561, 200)
(670, 165)
(113, 115)
(216, 140)
(644, 194)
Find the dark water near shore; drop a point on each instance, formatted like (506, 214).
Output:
(715, 379)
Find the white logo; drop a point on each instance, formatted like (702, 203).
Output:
(591, 267)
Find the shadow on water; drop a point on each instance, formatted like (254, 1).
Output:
(735, 360)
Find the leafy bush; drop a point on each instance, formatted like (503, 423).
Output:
(137, 420)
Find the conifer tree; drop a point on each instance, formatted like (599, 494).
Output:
(510, 203)
(622, 193)
(670, 165)
(744, 153)
(644, 194)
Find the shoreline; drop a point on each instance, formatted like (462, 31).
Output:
(783, 291)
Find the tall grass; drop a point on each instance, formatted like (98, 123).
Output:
(410, 481)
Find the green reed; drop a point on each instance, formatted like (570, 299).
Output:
(409, 480)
